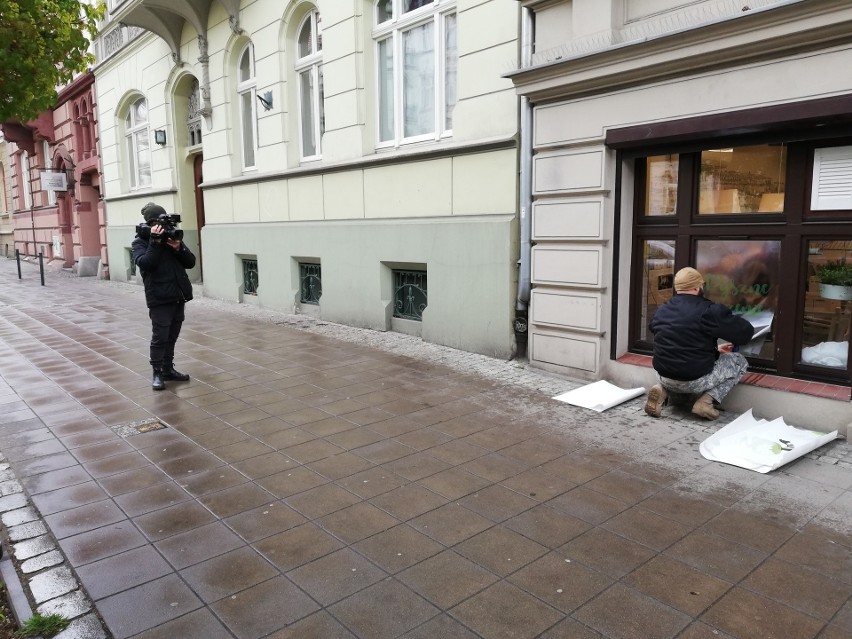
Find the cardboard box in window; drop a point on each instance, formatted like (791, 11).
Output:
(771, 203)
(721, 201)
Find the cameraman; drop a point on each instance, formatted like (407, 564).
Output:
(163, 259)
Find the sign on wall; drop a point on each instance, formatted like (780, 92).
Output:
(54, 181)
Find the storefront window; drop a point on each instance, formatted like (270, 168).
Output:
(658, 283)
(744, 276)
(828, 304)
(661, 185)
(747, 179)
(743, 216)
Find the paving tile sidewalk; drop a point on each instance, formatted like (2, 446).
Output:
(309, 485)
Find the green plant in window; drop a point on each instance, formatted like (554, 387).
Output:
(837, 273)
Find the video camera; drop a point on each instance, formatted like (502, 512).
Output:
(168, 222)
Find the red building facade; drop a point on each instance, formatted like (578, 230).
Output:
(67, 227)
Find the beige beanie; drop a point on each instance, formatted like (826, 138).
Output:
(687, 279)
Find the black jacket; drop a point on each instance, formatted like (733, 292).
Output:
(686, 331)
(163, 270)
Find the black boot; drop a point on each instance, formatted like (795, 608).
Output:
(170, 372)
(157, 382)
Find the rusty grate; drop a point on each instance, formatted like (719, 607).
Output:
(128, 429)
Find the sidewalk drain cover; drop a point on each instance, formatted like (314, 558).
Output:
(129, 429)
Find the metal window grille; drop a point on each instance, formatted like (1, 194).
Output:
(409, 294)
(250, 277)
(132, 263)
(310, 283)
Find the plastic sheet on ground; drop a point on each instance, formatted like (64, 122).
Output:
(760, 445)
(599, 396)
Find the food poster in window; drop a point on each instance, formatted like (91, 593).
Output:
(744, 275)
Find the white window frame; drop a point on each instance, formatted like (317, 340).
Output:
(132, 129)
(48, 166)
(247, 87)
(393, 30)
(312, 64)
(26, 180)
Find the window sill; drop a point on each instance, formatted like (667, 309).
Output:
(762, 380)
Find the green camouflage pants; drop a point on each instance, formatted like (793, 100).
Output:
(729, 369)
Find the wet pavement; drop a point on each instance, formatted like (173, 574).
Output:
(305, 486)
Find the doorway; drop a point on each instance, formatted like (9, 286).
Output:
(198, 178)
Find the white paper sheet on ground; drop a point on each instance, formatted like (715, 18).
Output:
(759, 445)
(599, 396)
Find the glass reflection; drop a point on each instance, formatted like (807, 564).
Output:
(658, 283)
(661, 185)
(748, 179)
(828, 304)
(744, 275)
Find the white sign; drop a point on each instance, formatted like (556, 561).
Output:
(54, 181)
(57, 246)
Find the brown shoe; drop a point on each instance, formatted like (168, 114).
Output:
(656, 400)
(703, 407)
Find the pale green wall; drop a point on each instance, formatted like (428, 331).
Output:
(470, 262)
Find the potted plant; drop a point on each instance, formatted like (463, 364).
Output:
(835, 280)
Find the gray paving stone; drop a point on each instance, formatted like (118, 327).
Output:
(71, 605)
(52, 583)
(32, 547)
(12, 502)
(27, 531)
(40, 562)
(20, 516)
(88, 627)
(10, 487)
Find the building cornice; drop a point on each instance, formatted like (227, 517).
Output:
(768, 34)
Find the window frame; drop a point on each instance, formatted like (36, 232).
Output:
(393, 30)
(132, 129)
(48, 166)
(796, 226)
(311, 64)
(243, 88)
(26, 180)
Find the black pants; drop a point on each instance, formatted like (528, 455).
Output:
(166, 320)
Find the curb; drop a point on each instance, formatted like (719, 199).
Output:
(40, 573)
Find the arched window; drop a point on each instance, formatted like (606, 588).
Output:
(246, 91)
(416, 60)
(193, 115)
(309, 72)
(78, 133)
(138, 144)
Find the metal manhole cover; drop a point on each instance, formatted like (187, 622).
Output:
(129, 429)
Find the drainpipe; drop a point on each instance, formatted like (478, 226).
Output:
(525, 199)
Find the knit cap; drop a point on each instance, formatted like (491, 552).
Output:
(687, 279)
(152, 211)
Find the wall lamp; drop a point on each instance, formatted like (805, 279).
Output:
(160, 137)
(265, 100)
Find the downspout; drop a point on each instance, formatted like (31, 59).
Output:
(525, 198)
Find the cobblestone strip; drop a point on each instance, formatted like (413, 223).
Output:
(52, 586)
